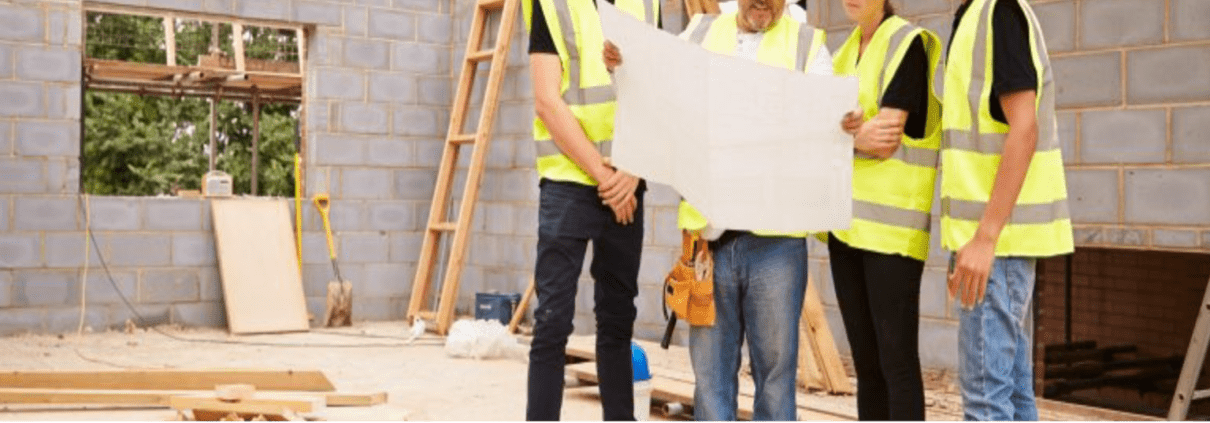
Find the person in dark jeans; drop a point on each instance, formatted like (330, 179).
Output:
(570, 216)
(877, 263)
(582, 200)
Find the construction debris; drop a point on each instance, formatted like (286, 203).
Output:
(482, 339)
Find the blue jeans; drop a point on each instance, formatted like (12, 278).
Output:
(758, 293)
(994, 346)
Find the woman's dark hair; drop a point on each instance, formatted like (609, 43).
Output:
(887, 8)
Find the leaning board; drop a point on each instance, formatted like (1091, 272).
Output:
(262, 285)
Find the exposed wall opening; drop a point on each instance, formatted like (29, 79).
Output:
(1120, 341)
(170, 97)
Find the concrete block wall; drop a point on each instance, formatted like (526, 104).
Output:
(1131, 102)
(377, 99)
(378, 94)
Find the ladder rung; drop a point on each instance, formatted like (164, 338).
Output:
(1197, 395)
(463, 138)
(481, 55)
(444, 226)
(492, 4)
(426, 315)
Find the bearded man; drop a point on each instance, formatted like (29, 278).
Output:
(759, 277)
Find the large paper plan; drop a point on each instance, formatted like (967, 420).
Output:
(751, 146)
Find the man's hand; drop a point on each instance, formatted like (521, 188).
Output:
(972, 267)
(617, 191)
(851, 122)
(613, 56)
(879, 137)
(974, 260)
(623, 213)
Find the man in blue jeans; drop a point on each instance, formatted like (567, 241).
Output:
(759, 278)
(1003, 197)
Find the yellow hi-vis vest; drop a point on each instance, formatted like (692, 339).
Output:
(1040, 225)
(788, 44)
(587, 88)
(892, 198)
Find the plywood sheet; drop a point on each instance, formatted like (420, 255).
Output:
(262, 284)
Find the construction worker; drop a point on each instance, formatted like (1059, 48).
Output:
(877, 264)
(1003, 194)
(582, 199)
(759, 278)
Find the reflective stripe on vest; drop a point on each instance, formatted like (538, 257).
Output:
(593, 106)
(892, 198)
(715, 32)
(1040, 224)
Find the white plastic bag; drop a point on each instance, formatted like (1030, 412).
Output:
(482, 339)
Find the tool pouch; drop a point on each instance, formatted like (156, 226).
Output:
(689, 287)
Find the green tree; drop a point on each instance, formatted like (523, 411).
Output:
(149, 145)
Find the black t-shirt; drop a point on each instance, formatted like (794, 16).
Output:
(1012, 56)
(908, 90)
(540, 40)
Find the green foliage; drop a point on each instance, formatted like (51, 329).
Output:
(146, 145)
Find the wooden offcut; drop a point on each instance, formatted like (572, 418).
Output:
(810, 375)
(459, 228)
(277, 406)
(236, 392)
(258, 266)
(197, 380)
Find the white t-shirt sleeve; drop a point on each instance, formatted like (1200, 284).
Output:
(823, 62)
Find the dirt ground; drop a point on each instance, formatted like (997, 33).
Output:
(422, 383)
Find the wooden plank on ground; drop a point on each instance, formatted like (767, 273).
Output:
(261, 404)
(338, 399)
(823, 344)
(76, 396)
(668, 389)
(258, 266)
(156, 398)
(1047, 406)
(810, 374)
(267, 380)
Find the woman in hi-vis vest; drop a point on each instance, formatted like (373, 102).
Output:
(877, 263)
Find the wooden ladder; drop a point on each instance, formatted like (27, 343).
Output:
(459, 226)
(1192, 370)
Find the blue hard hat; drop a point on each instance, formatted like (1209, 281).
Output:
(638, 361)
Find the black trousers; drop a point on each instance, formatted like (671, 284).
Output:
(569, 217)
(879, 297)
